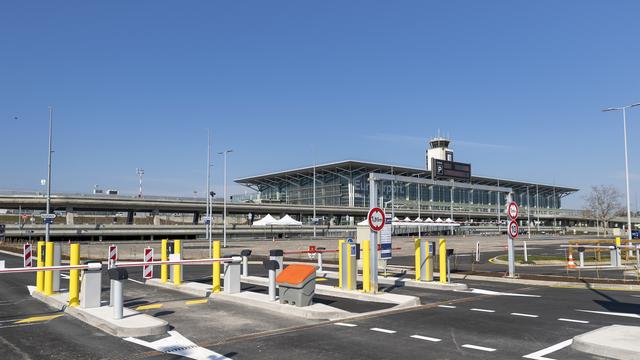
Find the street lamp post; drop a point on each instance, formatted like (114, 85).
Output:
(224, 215)
(47, 225)
(209, 221)
(626, 160)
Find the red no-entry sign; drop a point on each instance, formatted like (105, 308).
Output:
(376, 219)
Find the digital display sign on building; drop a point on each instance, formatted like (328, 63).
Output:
(442, 169)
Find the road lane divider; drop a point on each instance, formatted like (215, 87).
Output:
(426, 338)
(476, 347)
(573, 321)
(482, 310)
(525, 315)
(384, 331)
(345, 324)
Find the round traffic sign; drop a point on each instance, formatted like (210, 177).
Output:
(513, 229)
(512, 210)
(376, 219)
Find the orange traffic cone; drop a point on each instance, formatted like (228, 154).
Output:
(571, 264)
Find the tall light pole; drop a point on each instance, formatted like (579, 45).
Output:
(140, 172)
(209, 221)
(47, 225)
(626, 160)
(314, 199)
(224, 215)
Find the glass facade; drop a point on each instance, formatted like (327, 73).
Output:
(346, 185)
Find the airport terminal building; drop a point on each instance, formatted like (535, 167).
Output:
(454, 192)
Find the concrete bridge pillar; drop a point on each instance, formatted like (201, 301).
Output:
(70, 216)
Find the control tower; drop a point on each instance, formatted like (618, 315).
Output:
(438, 149)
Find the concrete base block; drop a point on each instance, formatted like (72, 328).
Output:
(191, 288)
(612, 342)
(132, 324)
(312, 312)
(401, 301)
(400, 282)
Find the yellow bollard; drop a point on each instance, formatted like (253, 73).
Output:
(340, 264)
(164, 269)
(618, 242)
(443, 261)
(40, 263)
(416, 243)
(177, 276)
(366, 265)
(217, 254)
(74, 275)
(48, 274)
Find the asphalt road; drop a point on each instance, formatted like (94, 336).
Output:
(491, 321)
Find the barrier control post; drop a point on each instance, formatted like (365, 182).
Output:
(117, 276)
(320, 249)
(245, 261)
(271, 266)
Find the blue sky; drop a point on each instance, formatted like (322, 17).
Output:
(517, 85)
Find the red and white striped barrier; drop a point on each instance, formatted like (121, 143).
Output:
(147, 270)
(98, 266)
(113, 256)
(89, 266)
(27, 255)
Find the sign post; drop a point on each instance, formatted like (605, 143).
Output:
(376, 219)
(512, 232)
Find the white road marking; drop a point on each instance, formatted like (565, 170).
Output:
(136, 281)
(420, 337)
(345, 324)
(483, 310)
(383, 330)
(176, 344)
(631, 315)
(447, 306)
(573, 320)
(497, 293)
(64, 276)
(539, 355)
(31, 289)
(476, 347)
(524, 315)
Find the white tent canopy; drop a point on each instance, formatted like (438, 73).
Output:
(266, 221)
(288, 221)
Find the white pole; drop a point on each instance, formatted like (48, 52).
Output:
(224, 223)
(314, 199)
(626, 172)
(207, 227)
(526, 255)
(47, 225)
(528, 214)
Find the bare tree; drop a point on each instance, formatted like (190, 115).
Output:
(603, 203)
